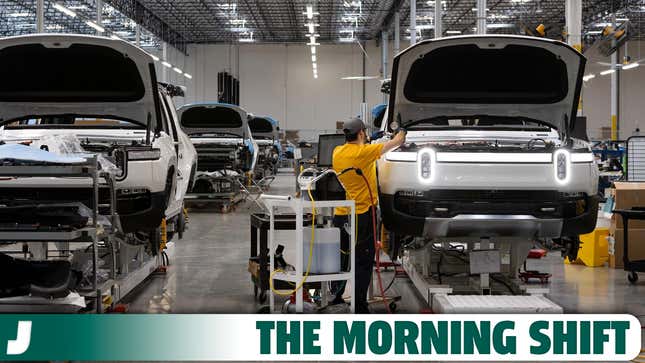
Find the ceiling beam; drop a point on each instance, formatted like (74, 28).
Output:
(134, 10)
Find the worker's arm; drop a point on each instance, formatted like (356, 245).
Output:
(398, 140)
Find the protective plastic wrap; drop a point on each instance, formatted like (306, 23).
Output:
(69, 145)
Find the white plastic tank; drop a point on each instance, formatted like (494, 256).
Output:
(326, 252)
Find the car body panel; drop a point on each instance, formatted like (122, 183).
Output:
(485, 181)
(556, 110)
(209, 136)
(136, 110)
(147, 191)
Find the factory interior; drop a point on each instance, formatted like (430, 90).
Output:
(322, 156)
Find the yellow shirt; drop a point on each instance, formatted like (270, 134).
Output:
(362, 157)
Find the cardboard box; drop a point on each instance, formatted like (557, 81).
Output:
(627, 196)
(636, 247)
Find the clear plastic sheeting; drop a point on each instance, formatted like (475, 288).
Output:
(22, 154)
(70, 145)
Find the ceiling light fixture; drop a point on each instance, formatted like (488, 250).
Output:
(310, 12)
(631, 65)
(154, 57)
(166, 64)
(178, 70)
(95, 26)
(64, 10)
(606, 72)
(313, 50)
(188, 76)
(588, 77)
(453, 31)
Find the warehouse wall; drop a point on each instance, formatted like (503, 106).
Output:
(277, 80)
(597, 94)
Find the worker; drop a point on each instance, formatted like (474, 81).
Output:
(350, 160)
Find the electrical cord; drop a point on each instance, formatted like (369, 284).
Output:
(377, 247)
(311, 252)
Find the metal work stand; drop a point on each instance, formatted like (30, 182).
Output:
(441, 297)
(260, 225)
(299, 206)
(633, 267)
(91, 234)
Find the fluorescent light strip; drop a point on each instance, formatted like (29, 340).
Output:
(154, 57)
(166, 64)
(64, 10)
(588, 77)
(178, 70)
(606, 72)
(313, 50)
(494, 158)
(188, 76)
(96, 27)
(631, 65)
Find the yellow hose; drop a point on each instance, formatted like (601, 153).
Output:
(311, 253)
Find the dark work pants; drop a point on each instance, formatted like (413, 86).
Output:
(365, 252)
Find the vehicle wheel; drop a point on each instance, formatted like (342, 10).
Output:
(632, 277)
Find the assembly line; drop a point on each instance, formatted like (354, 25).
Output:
(465, 179)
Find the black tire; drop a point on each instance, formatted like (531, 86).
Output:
(632, 277)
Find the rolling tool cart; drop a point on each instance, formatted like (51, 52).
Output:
(90, 231)
(633, 267)
(301, 276)
(259, 258)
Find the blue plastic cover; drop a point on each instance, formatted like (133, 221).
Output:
(378, 110)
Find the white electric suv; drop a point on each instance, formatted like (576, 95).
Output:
(105, 93)
(493, 148)
(226, 150)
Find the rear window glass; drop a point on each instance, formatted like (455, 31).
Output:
(211, 117)
(80, 73)
(468, 74)
(260, 125)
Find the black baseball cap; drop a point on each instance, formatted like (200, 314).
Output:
(353, 126)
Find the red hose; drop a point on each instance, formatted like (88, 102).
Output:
(377, 246)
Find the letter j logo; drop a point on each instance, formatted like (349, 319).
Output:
(23, 338)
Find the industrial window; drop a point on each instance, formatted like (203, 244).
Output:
(80, 73)
(469, 74)
(211, 117)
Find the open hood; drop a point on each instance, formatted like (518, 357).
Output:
(215, 118)
(76, 74)
(263, 127)
(495, 75)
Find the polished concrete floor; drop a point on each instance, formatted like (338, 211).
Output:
(208, 274)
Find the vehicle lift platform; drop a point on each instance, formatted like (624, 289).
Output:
(459, 296)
